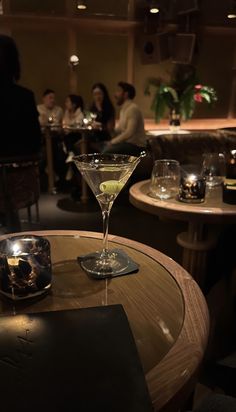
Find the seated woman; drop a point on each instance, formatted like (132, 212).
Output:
(104, 122)
(74, 107)
(73, 118)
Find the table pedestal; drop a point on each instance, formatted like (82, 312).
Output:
(196, 242)
(50, 166)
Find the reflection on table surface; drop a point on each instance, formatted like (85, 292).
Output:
(151, 298)
(165, 308)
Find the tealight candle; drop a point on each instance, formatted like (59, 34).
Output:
(25, 267)
(192, 188)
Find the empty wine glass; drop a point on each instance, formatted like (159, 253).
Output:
(93, 116)
(165, 179)
(214, 168)
(106, 174)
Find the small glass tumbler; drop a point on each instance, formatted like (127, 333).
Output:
(25, 267)
(165, 179)
(192, 188)
(214, 168)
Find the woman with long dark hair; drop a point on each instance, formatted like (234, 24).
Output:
(74, 108)
(103, 108)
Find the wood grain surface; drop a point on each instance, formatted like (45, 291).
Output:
(165, 307)
(213, 210)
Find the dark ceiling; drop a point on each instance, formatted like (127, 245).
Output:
(204, 12)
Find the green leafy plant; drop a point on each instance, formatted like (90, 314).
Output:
(181, 96)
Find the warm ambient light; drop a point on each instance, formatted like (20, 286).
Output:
(74, 60)
(231, 16)
(81, 5)
(154, 10)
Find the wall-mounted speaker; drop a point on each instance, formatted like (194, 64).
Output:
(187, 6)
(183, 48)
(155, 48)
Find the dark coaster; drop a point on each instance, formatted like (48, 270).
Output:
(131, 266)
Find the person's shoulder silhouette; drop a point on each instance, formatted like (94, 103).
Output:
(19, 125)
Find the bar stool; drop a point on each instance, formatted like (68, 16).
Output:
(19, 188)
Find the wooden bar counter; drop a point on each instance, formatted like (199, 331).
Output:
(193, 124)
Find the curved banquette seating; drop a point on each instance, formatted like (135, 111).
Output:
(189, 148)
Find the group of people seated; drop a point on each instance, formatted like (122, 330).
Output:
(128, 137)
(22, 122)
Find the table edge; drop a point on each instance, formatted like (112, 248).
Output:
(148, 205)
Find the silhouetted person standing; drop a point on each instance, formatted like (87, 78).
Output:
(19, 126)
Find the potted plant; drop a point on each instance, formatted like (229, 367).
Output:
(181, 96)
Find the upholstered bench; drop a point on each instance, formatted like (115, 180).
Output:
(189, 148)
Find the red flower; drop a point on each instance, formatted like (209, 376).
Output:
(197, 97)
(198, 86)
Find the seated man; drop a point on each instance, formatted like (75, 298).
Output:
(49, 112)
(130, 134)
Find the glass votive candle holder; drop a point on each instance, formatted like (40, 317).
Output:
(192, 188)
(25, 267)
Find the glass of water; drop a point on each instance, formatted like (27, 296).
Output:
(165, 179)
(214, 168)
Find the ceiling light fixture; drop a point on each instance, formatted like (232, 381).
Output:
(81, 5)
(154, 9)
(73, 61)
(232, 12)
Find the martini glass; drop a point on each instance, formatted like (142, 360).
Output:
(106, 174)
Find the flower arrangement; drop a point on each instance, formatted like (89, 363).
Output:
(181, 97)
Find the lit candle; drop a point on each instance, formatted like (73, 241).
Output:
(192, 188)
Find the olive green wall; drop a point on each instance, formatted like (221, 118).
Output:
(102, 59)
(214, 61)
(44, 57)
(44, 61)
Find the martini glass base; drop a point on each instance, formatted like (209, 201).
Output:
(114, 263)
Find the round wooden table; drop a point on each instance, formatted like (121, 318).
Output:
(165, 307)
(196, 242)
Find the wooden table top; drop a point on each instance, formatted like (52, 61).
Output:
(165, 307)
(211, 211)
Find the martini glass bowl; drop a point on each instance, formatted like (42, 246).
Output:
(106, 175)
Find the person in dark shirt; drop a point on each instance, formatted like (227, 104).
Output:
(19, 126)
(103, 108)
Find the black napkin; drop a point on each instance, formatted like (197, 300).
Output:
(131, 268)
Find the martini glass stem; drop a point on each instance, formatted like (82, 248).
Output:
(105, 218)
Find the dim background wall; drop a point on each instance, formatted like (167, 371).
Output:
(44, 57)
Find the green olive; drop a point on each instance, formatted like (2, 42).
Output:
(111, 187)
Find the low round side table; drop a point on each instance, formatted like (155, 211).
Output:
(196, 242)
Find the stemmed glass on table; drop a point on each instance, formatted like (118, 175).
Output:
(214, 168)
(106, 174)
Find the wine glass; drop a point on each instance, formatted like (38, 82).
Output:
(93, 116)
(106, 174)
(214, 168)
(165, 179)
